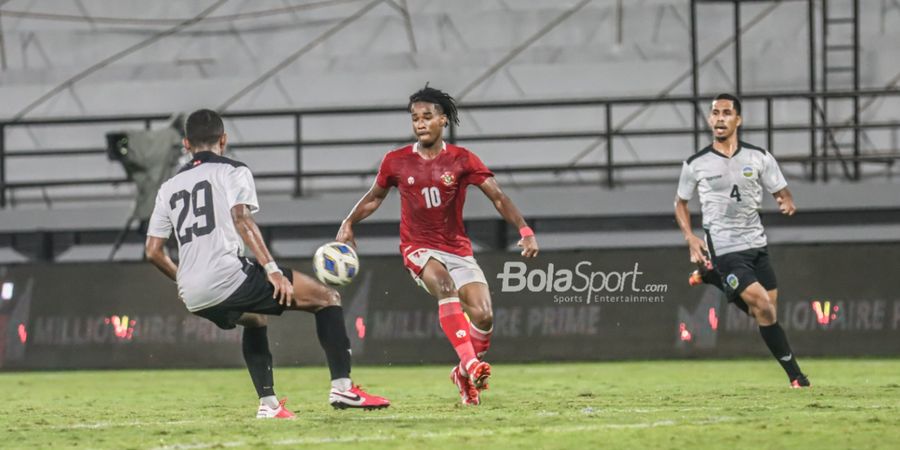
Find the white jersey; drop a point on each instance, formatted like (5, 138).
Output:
(197, 203)
(731, 192)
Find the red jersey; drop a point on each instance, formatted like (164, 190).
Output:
(432, 194)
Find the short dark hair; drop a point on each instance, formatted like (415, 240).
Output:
(204, 127)
(439, 98)
(734, 100)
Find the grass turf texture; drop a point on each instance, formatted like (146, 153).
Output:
(657, 404)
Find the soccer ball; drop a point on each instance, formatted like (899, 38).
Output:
(335, 263)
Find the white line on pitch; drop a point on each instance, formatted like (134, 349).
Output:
(376, 418)
(130, 423)
(449, 433)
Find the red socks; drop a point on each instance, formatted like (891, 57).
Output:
(456, 327)
(481, 340)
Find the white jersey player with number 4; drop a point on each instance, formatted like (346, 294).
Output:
(731, 193)
(731, 176)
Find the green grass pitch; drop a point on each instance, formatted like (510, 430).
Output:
(654, 404)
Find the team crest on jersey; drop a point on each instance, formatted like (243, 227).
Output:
(448, 178)
(732, 280)
(410, 180)
(747, 171)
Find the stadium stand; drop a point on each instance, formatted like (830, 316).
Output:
(593, 50)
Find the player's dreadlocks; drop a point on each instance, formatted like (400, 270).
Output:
(441, 99)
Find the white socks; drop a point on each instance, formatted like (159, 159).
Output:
(270, 400)
(341, 384)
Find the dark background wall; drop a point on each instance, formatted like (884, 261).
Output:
(640, 306)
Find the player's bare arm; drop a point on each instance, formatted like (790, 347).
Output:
(155, 249)
(510, 213)
(785, 202)
(696, 245)
(367, 205)
(246, 227)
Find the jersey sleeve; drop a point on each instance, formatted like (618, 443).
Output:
(160, 225)
(771, 177)
(476, 171)
(240, 189)
(386, 178)
(687, 182)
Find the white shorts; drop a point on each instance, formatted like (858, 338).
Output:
(463, 269)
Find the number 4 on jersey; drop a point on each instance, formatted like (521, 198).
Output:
(735, 193)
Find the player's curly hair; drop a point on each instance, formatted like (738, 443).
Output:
(441, 99)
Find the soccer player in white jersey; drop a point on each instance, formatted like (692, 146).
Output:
(730, 176)
(209, 205)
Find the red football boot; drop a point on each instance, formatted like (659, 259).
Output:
(697, 276)
(266, 412)
(479, 372)
(467, 392)
(355, 397)
(800, 382)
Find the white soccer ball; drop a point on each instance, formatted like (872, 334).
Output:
(335, 263)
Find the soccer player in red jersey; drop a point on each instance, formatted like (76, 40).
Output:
(432, 177)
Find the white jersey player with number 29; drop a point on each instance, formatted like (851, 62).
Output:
(205, 190)
(209, 206)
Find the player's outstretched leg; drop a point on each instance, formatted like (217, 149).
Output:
(762, 307)
(325, 303)
(455, 326)
(255, 347)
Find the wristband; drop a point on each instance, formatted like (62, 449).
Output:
(526, 231)
(271, 267)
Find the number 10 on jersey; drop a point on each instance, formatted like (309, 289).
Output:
(432, 197)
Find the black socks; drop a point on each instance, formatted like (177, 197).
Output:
(333, 338)
(777, 342)
(259, 360)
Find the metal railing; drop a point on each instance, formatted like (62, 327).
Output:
(605, 134)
